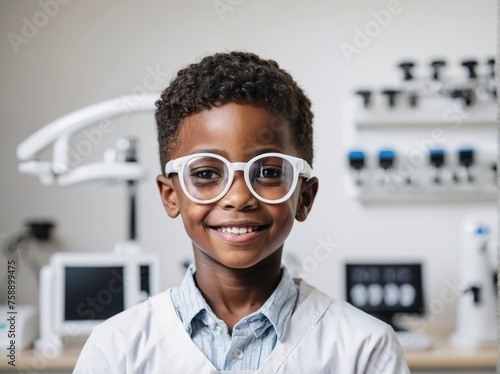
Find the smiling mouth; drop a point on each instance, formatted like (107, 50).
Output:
(239, 230)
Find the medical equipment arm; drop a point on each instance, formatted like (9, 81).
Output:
(60, 131)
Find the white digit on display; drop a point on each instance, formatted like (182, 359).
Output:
(391, 296)
(408, 294)
(359, 295)
(375, 294)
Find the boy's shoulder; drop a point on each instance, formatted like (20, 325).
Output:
(125, 342)
(343, 326)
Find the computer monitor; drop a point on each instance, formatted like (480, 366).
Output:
(385, 289)
(80, 290)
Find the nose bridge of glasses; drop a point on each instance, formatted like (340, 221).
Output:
(237, 189)
(238, 165)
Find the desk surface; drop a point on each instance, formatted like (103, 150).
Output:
(440, 357)
(449, 358)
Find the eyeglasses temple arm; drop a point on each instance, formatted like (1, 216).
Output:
(305, 170)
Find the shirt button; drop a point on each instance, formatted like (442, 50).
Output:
(238, 354)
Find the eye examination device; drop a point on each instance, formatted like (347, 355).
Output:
(80, 290)
(59, 133)
(476, 305)
(385, 290)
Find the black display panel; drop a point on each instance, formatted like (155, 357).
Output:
(145, 286)
(93, 293)
(384, 290)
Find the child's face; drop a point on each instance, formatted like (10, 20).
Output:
(238, 133)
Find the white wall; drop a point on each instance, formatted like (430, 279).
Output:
(93, 50)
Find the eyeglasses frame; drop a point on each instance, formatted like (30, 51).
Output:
(301, 168)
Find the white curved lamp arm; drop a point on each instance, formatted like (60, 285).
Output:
(102, 171)
(59, 133)
(79, 119)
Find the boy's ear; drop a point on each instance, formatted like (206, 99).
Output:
(308, 192)
(168, 195)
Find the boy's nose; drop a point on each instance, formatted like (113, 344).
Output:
(239, 196)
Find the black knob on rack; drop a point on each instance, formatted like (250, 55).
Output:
(491, 64)
(391, 96)
(436, 66)
(366, 95)
(437, 157)
(386, 158)
(471, 68)
(407, 68)
(493, 168)
(466, 95)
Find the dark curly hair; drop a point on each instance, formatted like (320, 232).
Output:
(239, 77)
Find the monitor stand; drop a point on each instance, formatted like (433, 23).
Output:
(49, 344)
(409, 340)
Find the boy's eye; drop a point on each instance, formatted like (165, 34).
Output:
(270, 172)
(205, 174)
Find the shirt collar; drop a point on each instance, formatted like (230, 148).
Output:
(278, 308)
(190, 299)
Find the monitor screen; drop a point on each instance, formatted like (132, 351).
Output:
(93, 293)
(81, 290)
(385, 289)
(145, 279)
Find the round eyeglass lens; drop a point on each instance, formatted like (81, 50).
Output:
(271, 177)
(205, 177)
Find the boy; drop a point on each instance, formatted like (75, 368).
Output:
(235, 136)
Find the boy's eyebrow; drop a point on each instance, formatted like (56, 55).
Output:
(209, 150)
(267, 150)
(224, 154)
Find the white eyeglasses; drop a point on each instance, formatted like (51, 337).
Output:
(271, 177)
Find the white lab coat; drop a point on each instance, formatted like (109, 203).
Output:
(323, 336)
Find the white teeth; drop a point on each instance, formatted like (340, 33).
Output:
(237, 230)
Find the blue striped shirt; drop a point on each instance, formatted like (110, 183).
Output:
(254, 336)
